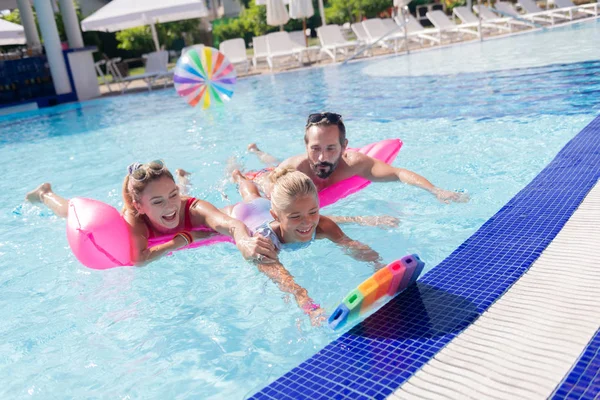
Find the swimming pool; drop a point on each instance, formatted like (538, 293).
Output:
(218, 328)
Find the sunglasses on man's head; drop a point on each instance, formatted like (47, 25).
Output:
(139, 172)
(316, 118)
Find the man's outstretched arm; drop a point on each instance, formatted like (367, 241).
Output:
(377, 171)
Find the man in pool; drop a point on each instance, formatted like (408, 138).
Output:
(327, 161)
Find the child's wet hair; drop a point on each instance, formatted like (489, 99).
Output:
(289, 184)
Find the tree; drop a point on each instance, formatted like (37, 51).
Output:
(140, 40)
(342, 11)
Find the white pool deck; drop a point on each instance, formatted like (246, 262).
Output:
(524, 345)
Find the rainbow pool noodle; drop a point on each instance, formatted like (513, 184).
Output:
(369, 290)
(339, 317)
(353, 302)
(418, 269)
(410, 265)
(398, 271)
(388, 281)
(414, 267)
(384, 278)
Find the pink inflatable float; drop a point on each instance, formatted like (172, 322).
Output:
(99, 236)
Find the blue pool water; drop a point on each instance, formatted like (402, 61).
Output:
(204, 323)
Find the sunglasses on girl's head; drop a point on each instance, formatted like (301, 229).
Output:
(332, 118)
(139, 172)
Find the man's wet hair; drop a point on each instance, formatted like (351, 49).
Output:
(326, 119)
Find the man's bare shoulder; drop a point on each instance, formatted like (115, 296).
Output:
(355, 159)
(294, 162)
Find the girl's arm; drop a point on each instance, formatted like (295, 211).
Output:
(285, 281)
(359, 251)
(252, 248)
(140, 253)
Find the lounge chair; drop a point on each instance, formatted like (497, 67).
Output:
(376, 29)
(416, 30)
(566, 8)
(532, 10)
(489, 17)
(235, 51)
(156, 69)
(333, 41)
(100, 73)
(468, 18)
(445, 25)
(259, 44)
(505, 8)
(298, 37)
(361, 35)
(390, 24)
(280, 45)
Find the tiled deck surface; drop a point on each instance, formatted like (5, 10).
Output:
(528, 340)
(377, 356)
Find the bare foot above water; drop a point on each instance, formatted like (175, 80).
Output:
(35, 196)
(237, 176)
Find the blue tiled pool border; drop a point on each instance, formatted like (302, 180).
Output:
(583, 381)
(375, 357)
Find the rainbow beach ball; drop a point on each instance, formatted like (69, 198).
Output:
(204, 76)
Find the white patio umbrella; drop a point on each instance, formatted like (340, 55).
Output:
(11, 33)
(302, 9)
(10, 4)
(123, 14)
(277, 13)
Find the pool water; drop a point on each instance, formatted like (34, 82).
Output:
(204, 323)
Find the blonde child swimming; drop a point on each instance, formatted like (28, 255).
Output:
(291, 221)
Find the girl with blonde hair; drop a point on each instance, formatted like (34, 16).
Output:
(291, 221)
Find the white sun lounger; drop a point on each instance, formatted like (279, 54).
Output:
(391, 25)
(443, 23)
(235, 51)
(567, 8)
(506, 8)
(100, 74)
(298, 37)
(415, 36)
(280, 45)
(488, 16)
(332, 41)
(361, 34)
(156, 68)
(415, 29)
(259, 44)
(532, 10)
(467, 17)
(376, 29)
